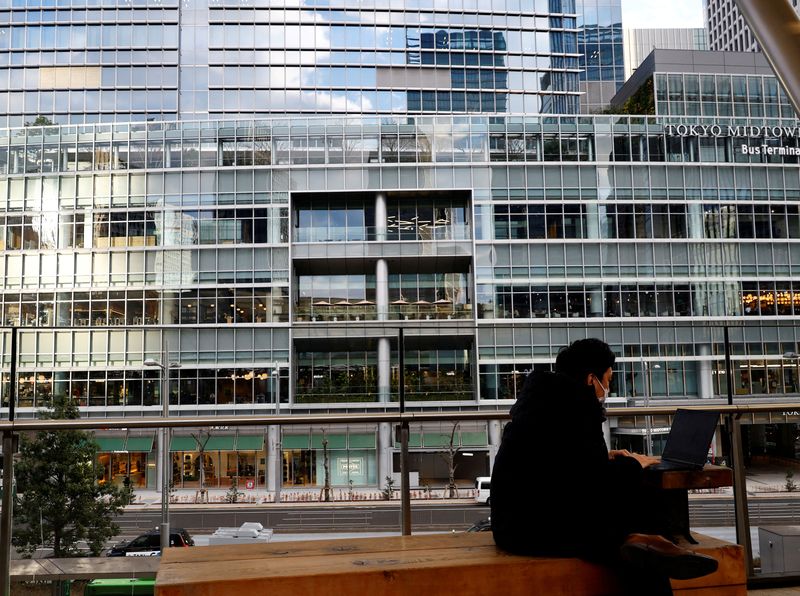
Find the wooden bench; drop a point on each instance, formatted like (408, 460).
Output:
(429, 565)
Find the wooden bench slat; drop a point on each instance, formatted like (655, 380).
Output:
(303, 548)
(444, 564)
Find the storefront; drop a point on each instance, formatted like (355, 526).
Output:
(351, 456)
(129, 457)
(429, 459)
(225, 459)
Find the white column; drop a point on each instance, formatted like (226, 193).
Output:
(705, 381)
(274, 469)
(380, 216)
(385, 449)
(384, 370)
(382, 289)
(88, 238)
(495, 437)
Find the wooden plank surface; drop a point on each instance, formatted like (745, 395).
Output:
(466, 564)
(709, 477)
(303, 548)
(83, 568)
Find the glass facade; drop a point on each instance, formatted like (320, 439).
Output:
(722, 95)
(530, 222)
(280, 257)
(92, 61)
(600, 45)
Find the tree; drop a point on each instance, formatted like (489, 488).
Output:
(449, 456)
(326, 492)
(201, 439)
(40, 121)
(60, 502)
(790, 485)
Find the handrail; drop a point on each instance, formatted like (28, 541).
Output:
(356, 418)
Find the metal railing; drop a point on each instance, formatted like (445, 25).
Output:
(732, 413)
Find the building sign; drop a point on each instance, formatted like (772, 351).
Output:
(774, 133)
(764, 149)
(717, 130)
(351, 466)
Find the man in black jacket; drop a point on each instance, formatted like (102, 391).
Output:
(558, 491)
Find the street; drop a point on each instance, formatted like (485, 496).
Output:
(713, 514)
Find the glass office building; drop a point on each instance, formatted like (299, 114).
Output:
(106, 61)
(600, 45)
(280, 258)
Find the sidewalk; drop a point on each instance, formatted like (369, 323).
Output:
(146, 499)
(764, 481)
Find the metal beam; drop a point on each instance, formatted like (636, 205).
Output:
(362, 418)
(776, 27)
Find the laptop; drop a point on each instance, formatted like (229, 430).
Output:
(688, 441)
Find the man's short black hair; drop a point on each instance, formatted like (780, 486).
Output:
(584, 357)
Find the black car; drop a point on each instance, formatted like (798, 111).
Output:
(482, 525)
(149, 544)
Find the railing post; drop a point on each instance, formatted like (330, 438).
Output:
(405, 489)
(741, 511)
(9, 447)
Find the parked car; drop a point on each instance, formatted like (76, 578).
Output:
(482, 525)
(483, 486)
(120, 587)
(149, 544)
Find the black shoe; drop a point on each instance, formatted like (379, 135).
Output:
(658, 555)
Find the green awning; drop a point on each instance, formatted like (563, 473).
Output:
(139, 444)
(362, 441)
(224, 443)
(438, 439)
(110, 443)
(294, 442)
(477, 439)
(183, 444)
(334, 441)
(414, 440)
(250, 443)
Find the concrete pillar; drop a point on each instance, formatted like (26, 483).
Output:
(380, 216)
(384, 370)
(595, 218)
(695, 213)
(705, 380)
(385, 449)
(169, 308)
(495, 437)
(88, 237)
(274, 471)
(382, 290)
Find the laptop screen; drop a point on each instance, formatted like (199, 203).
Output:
(690, 436)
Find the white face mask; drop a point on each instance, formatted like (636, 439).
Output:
(606, 390)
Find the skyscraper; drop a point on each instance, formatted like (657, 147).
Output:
(601, 56)
(106, 61)
(727, 30)
(640, 42)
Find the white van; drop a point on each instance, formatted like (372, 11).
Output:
(482, 489)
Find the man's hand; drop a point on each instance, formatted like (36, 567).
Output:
(644, 460)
